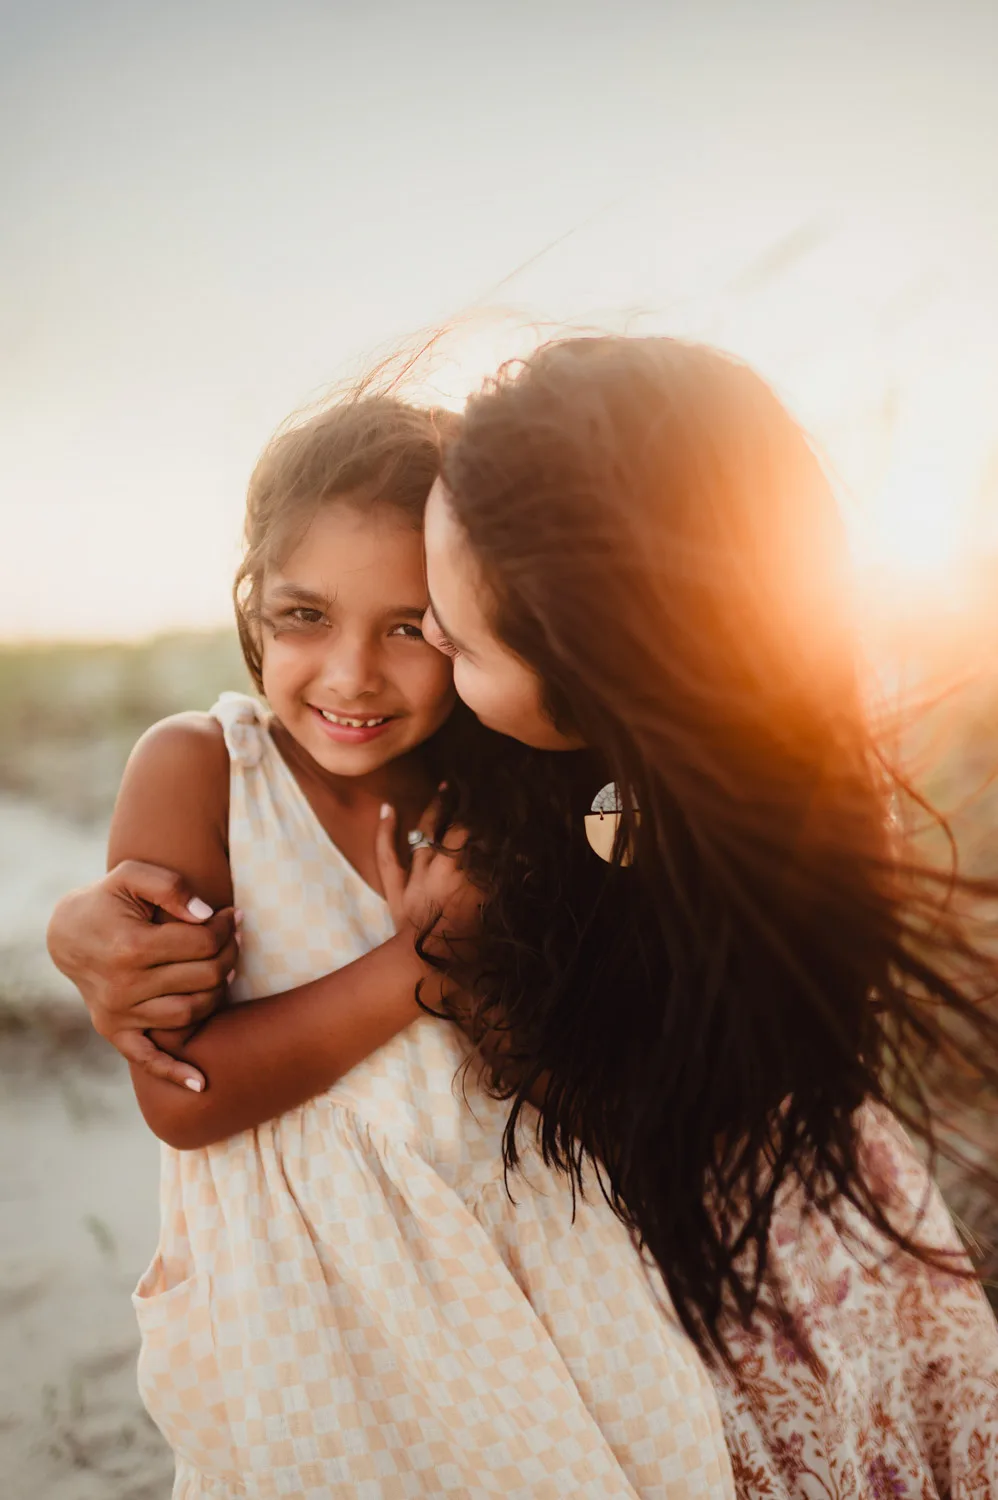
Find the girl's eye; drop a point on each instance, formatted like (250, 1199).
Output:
(300, 617)
(408, 632)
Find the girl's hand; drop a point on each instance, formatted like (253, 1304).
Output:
(436, 883)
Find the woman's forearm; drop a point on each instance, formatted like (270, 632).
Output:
(265, 1057)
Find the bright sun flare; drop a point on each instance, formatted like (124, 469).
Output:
(928, 516)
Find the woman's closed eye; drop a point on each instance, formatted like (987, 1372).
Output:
(436, 638)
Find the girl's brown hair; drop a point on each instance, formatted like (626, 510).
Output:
(367, 449)
(663, 549)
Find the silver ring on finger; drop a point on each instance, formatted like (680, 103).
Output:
(417, 839)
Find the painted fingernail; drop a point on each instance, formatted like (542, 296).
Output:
(230, 976)
(386, 810)
(237, 917)
(199, 909)
(194, 1084)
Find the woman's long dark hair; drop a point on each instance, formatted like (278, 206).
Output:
(705, 1021)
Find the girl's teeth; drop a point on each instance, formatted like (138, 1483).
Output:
(350, 723)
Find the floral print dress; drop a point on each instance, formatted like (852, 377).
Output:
(902, 1403)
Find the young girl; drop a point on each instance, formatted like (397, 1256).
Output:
(344, 1300)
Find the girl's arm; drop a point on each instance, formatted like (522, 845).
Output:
(262, 1058)
(265, 1057)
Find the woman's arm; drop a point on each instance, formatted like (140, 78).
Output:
(135, 969)
(265, 1057)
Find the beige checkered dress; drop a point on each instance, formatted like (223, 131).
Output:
(345, 1302)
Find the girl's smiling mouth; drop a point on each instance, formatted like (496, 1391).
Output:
(351, 729)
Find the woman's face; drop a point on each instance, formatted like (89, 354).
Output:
(496, 684)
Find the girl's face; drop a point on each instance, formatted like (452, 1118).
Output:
(496, 684)
(345, 667)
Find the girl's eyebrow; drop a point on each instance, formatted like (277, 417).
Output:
(300, 595)
(296, 593)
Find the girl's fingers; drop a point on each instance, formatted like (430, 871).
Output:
(422, 856)
(431, 816)
(454, 840)
(419, 867)
(390, 871)
(143, 1053)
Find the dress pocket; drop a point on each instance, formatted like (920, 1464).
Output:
(179, 1377)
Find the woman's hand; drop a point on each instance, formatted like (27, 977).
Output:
(435, 886)
(137, 973)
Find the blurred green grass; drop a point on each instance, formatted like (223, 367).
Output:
(70, 713)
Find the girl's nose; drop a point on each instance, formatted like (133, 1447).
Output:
(352, 669)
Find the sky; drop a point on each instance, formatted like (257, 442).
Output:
(211, 213)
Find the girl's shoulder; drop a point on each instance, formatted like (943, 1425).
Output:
(173, 804)
(234, 728)
(190, 741)
(180, 766)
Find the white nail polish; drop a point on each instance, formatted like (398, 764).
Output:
(194, 1084)
(199, 909)
(386, 810)
(230, 976)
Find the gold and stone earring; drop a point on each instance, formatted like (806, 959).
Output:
(603, 820)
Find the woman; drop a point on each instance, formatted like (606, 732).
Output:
(633, 550)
